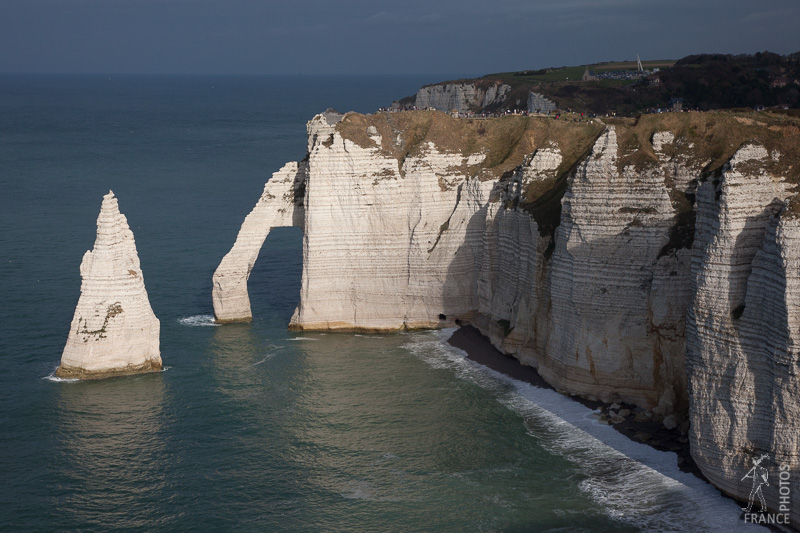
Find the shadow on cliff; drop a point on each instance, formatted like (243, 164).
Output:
(615, 316)
(766, 313)
(466, 265)
(747, 244)
(750, 311)
(651, 355)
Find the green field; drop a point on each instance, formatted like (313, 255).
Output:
(702, 81)
(558, 74)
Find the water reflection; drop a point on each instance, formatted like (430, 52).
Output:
(254, 368)
(377, 432)
(111, 453)
(234, 349)
(253, 373)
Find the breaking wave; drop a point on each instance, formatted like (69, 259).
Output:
(52, 377)
(198, 321)
(633, 482)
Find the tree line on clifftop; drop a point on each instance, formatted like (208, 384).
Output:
(702, 82)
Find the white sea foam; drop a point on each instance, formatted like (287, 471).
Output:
(198, 321)
(53, 378)
(302, 339)
(633, 482)
(267, 358)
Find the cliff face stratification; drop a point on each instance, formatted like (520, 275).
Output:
(744, 325)
(538, 103)
(463, 97)
(481, 96)
(651, 261)
(114, 331)
(410, 218)
(393, 217)
(601, 306)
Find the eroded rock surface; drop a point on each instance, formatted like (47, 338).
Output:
(281, 204)
(463, 97)
(388, 244)
(743, 328)
(538, 103)
(114, 330)
(599, 308)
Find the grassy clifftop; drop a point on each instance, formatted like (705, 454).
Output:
(707, 139)
(505, 141)
(703, 141)
(704, 81)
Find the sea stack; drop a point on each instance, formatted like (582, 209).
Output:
(114, 331)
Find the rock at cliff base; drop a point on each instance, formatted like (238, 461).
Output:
(670, 422)
(114, 331)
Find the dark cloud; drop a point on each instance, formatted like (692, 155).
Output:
(368, 36)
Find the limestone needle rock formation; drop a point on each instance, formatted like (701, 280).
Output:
(114, 331)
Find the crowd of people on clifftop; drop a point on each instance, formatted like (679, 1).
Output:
(556, 115)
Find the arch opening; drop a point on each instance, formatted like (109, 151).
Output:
(274, 284)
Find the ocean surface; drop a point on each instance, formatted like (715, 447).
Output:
(250, 427)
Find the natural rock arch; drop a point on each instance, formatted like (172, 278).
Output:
(281, 204)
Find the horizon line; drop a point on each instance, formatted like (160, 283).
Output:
(242, 74)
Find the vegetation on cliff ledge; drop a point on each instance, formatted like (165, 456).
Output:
(504, 141)
(701, 141)
(708, 140)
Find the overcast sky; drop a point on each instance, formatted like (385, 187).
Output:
(375, 36)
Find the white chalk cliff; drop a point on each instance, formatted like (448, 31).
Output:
(602, 316)
(384, 242)
(281, 204)
(538, 103)
(463, 97)
(114, 331)
(656, 262)
(480, 96)
(743, 328)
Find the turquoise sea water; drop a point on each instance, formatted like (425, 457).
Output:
(250, 427)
